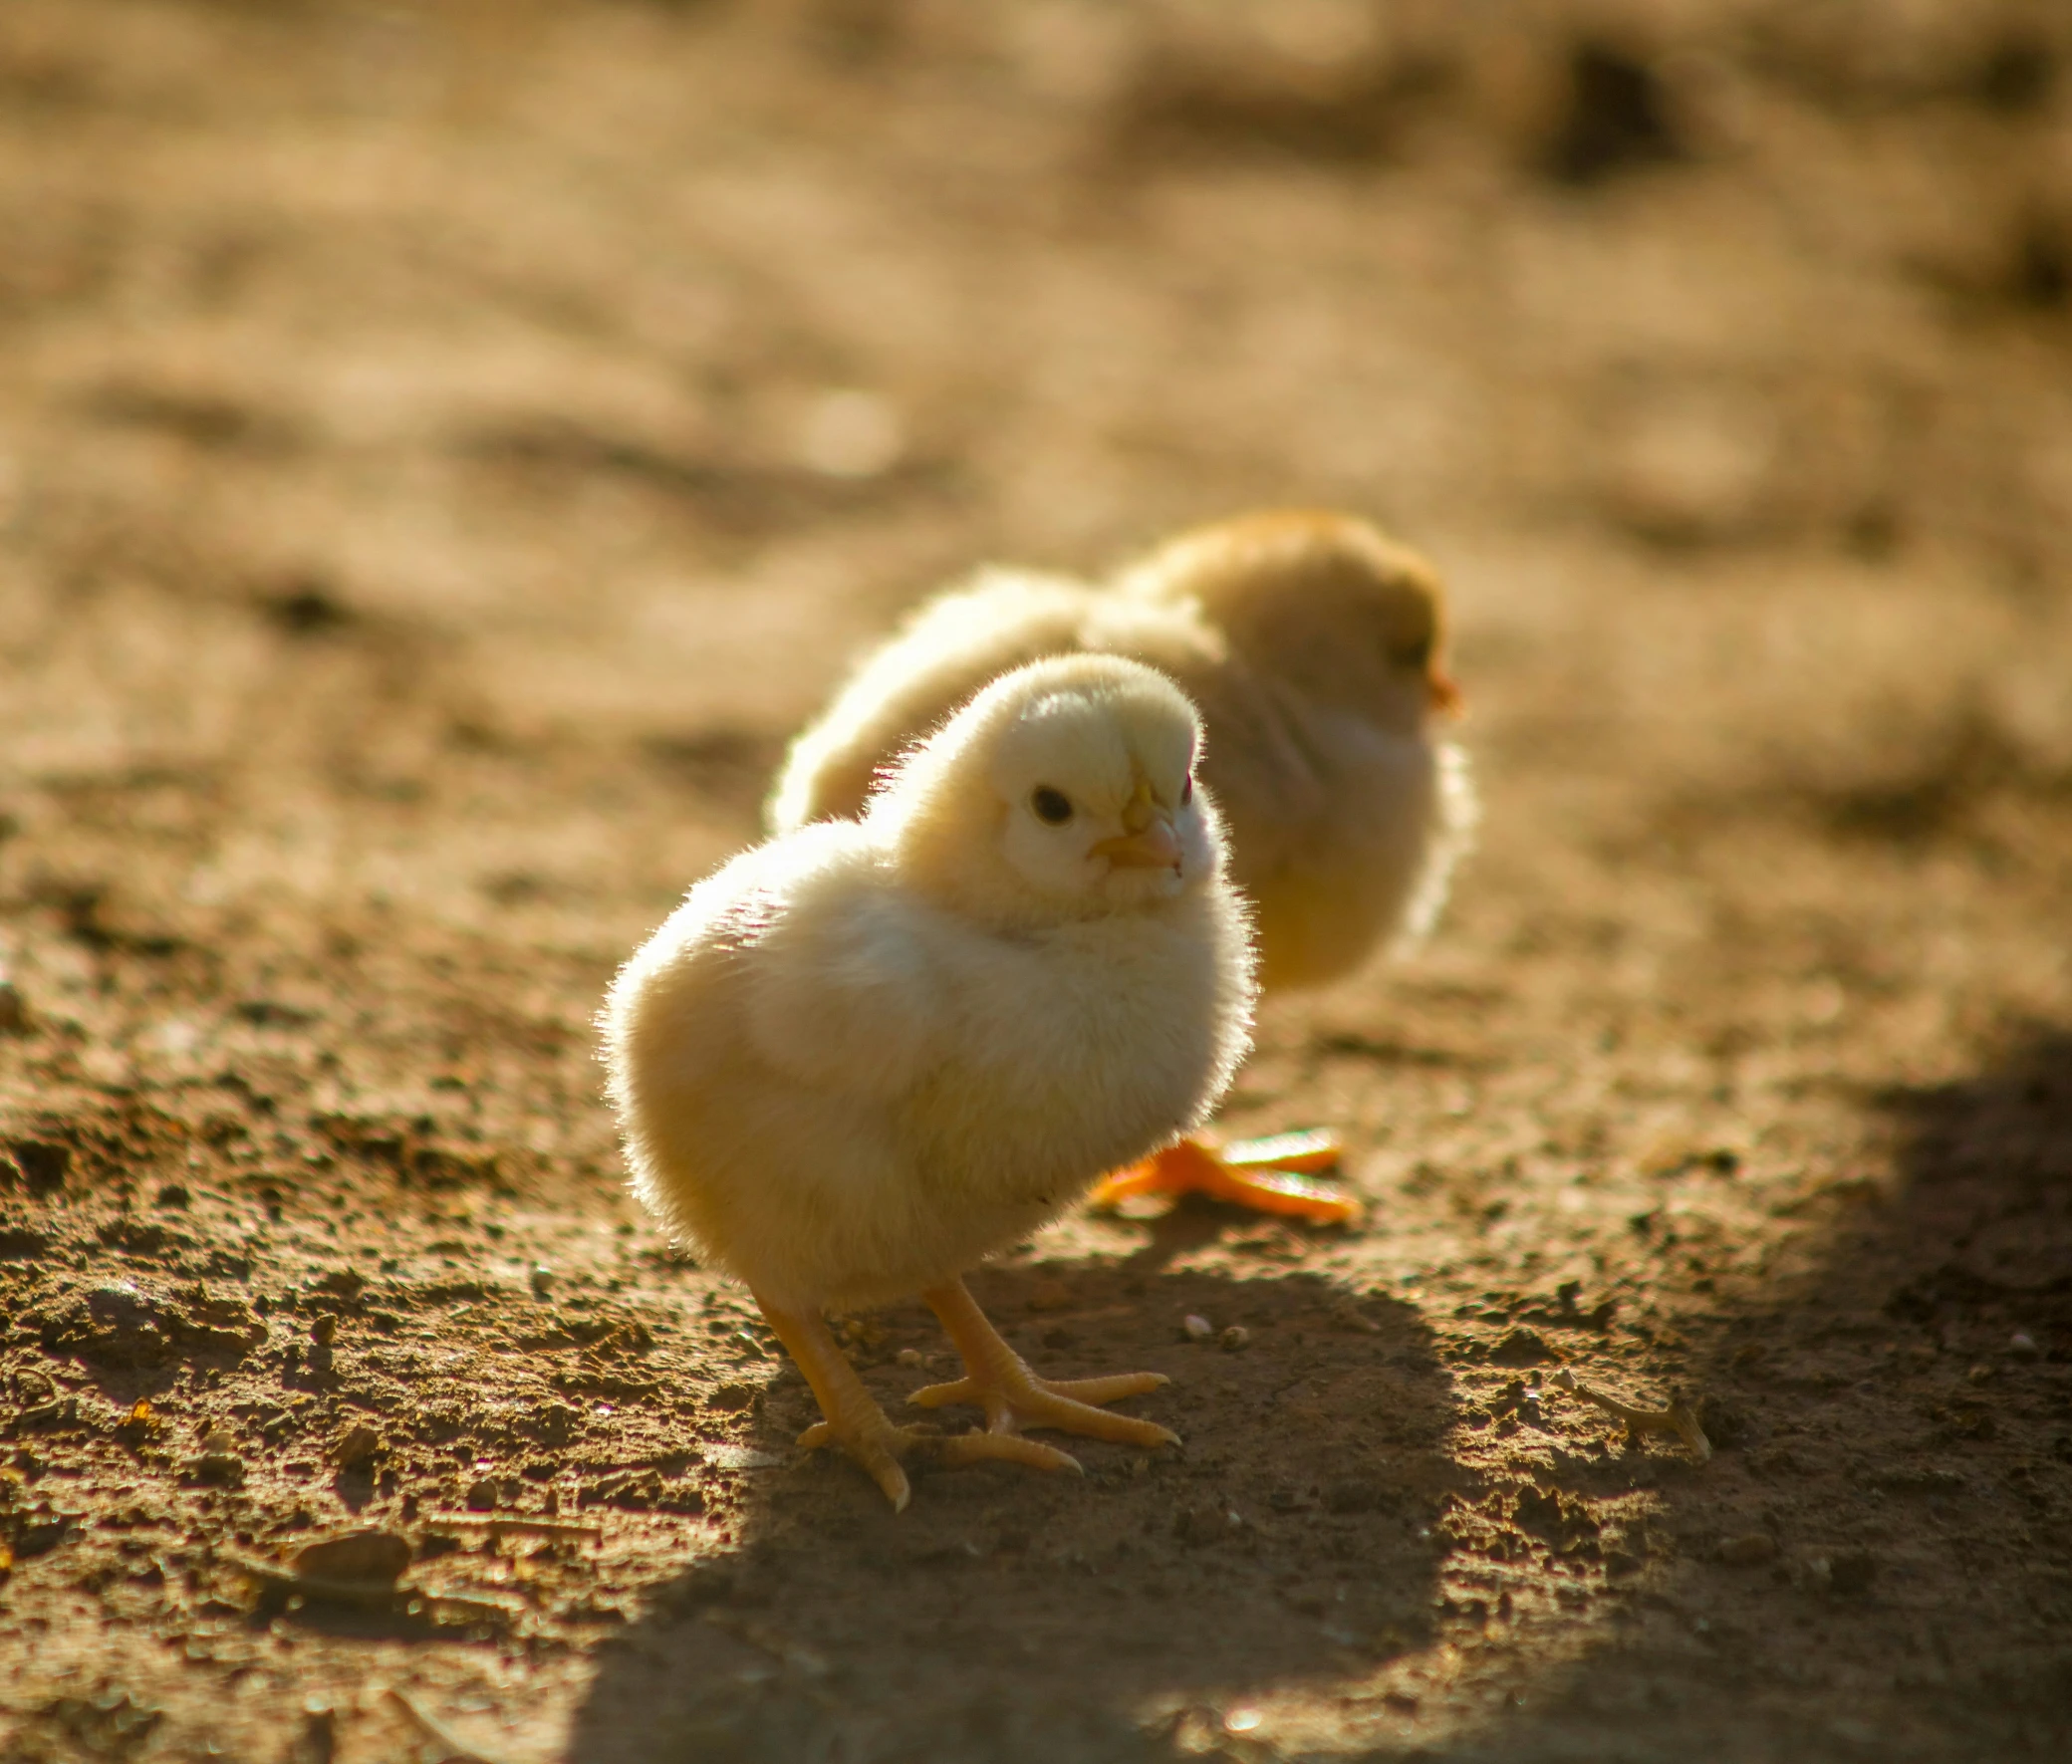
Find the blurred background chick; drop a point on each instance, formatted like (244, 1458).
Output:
(1314, 645)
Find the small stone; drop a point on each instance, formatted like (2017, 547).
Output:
(219, 1469)
(542, 1280)
(1750, 1549)
(358, 1443)
(362, 1555)
(1980, 1374)
(2022, 1345)
(40, 1163)
(1197, 1329)
(481, 1495)
(1234, 1338)
(908, 1357)
(1206, 1522)
(324, 1329)
(173, 1194)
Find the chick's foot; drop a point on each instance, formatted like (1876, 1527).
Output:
(1274, 1175)
(859, 1427)
(999, 1380)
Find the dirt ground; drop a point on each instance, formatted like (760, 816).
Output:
(445, 449)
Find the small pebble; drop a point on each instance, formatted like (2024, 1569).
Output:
(358, 1443)
(324, 1329)
(542, 1280)
(1234, 1338)
(362, 1555)
(2022, 1345)
(220, 1469)
(1197, 1329)
(908, 1357)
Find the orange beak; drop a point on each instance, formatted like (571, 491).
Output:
(1155, 847)
(1446, 696)
(1150, 843)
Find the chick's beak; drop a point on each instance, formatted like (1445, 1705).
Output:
(1446, 696)
(1149, 844)
(1155, 847)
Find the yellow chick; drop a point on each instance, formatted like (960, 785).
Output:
(868, 1052)
(1314, 646)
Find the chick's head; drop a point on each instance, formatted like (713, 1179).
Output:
(1326, 603)
(1063, 790)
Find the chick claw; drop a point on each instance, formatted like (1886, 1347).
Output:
(1272, 1176)
(883, 1450)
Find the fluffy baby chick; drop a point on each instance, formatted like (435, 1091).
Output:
(866, 1054)
(1314, 646)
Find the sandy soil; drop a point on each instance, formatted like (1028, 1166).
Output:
(443, 451)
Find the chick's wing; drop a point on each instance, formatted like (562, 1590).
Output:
(843, 992)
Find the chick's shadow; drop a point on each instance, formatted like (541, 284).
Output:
(1943, 1496)
(1013, 1616)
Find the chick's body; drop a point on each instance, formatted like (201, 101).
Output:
(842, 1092)
(866, 1054)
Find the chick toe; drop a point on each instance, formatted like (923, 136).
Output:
(1266, 1176)
(958, 1449)
(997, 1379)
(854, 1422)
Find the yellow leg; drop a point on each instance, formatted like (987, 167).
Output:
(997, 1378)
(857, 1424)
(1267, 1176)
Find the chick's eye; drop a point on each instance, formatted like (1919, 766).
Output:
(1051, 806)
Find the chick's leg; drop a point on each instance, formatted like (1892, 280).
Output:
(1273, 1176)
(998, 1379)
(857, 1424)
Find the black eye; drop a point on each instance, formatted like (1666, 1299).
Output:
(1186, 790)
(1053, 806)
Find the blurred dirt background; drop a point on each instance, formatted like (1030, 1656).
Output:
(444, 450)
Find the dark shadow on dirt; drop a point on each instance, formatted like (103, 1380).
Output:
(1290, 1535)
(1895, 1434)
